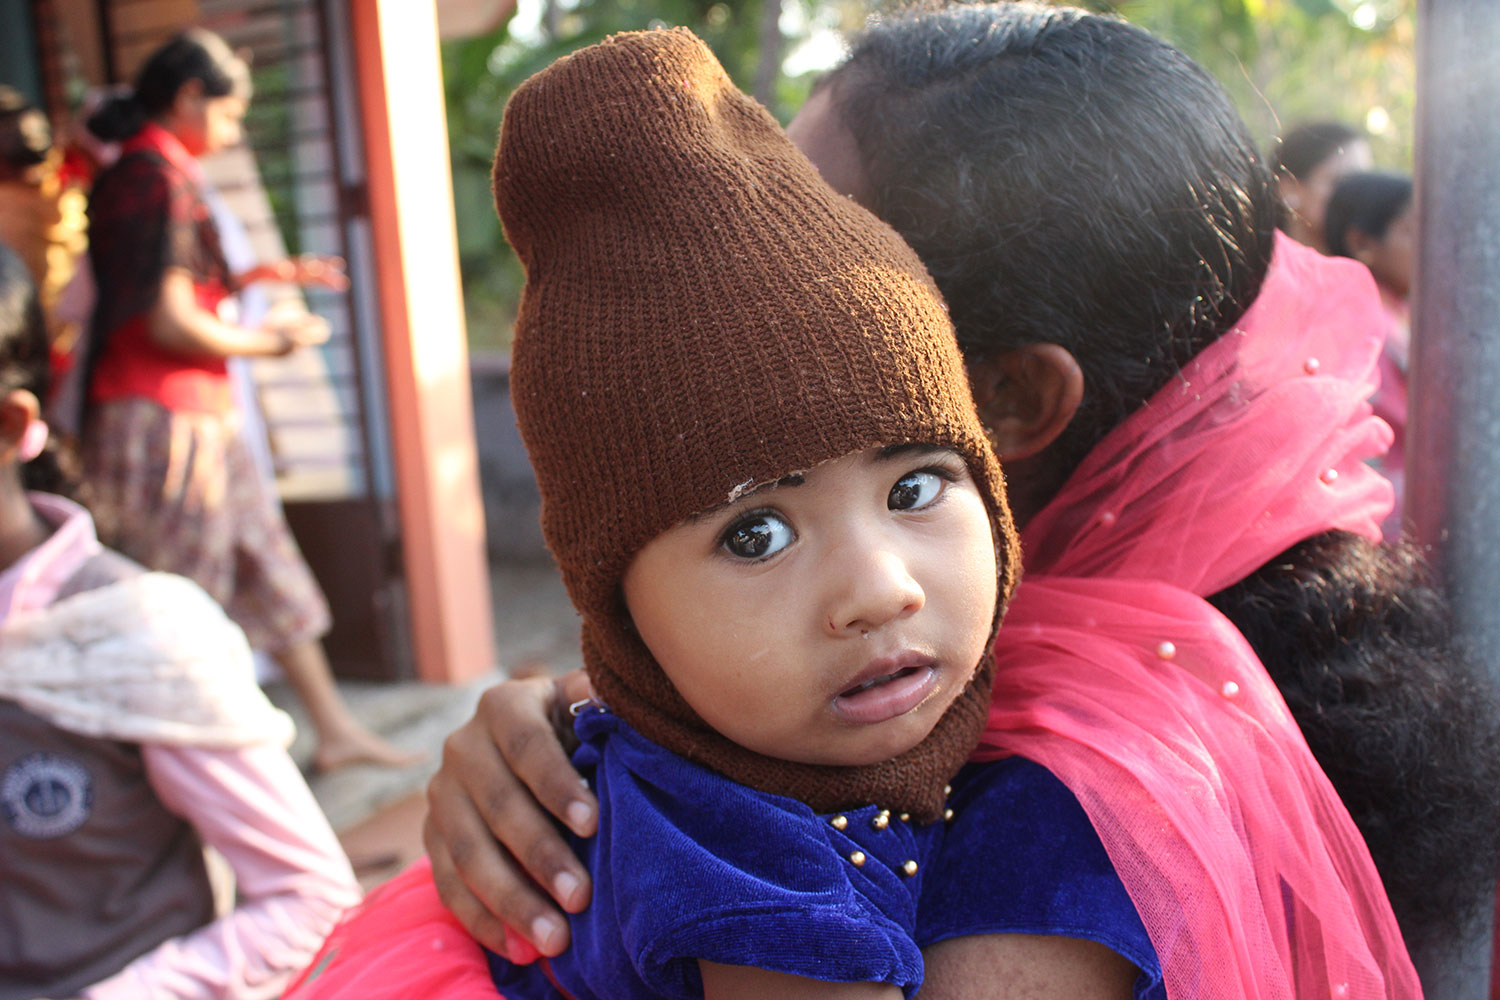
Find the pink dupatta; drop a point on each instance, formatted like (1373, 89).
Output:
(1117, 676)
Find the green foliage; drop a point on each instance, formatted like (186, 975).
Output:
(479, 74)
(1289, 61)
(1282, 61)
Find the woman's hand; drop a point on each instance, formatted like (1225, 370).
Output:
(300, 330)
(503, 772)
(319, 270)
(179, 325)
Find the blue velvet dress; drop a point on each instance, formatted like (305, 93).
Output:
(689, 865)
(1020, 857)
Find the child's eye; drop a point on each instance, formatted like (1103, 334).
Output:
(915, 490)
(757, 535)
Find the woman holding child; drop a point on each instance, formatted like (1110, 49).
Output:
(1117, 677)
(1078, 305)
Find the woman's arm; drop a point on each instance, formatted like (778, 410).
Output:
(292, 878)
(740, 982)
(487, 831)
(177, 323)
(1025, 967)
(305, 269)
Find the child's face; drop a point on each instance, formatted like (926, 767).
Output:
(831, 618)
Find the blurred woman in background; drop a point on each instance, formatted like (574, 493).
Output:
(174, 483)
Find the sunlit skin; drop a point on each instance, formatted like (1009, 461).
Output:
(773, 614)
(820, 133)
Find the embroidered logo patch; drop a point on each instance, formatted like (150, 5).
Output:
(46, 795)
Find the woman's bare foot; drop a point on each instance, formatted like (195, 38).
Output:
(342, 739)
(360, 746)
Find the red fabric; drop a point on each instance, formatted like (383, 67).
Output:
(76, 169)
(399, 943)
(1252, 880)
(146, 215)
(135, 368)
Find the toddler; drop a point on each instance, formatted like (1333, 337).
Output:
(776, 512)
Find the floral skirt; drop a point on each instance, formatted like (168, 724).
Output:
(179, 492)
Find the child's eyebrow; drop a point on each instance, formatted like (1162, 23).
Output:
(890, 451)
(795, 479)
(900, 450)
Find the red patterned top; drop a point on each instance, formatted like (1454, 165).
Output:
(146, 215)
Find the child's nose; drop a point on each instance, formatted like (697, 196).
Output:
(871, 593)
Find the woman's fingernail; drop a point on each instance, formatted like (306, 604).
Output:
(547, 932)
(579, 815)
(566, 885)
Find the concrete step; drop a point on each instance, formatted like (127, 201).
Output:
(535, 629)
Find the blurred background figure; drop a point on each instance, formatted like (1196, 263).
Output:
(25, 146)
(41, 214)
(176, 487)
(1308, 161)
(82, 156)
(1371, 218)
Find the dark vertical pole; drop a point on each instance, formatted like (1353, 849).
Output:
(768, 70)
(107, 42)
(1453, 452)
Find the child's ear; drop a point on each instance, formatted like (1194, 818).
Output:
(1026, 397)
(18, 408)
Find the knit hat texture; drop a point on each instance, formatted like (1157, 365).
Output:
(703, 315)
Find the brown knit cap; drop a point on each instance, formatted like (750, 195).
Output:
(702, 315)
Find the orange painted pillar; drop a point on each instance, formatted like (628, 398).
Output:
(422, 336)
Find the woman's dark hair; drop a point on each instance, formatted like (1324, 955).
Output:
(1368, 201)
(25, 364)
(196, 54)
(1068, 178)
(1360, 643)
(1299, 152)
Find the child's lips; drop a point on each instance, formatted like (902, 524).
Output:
(888, 687)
